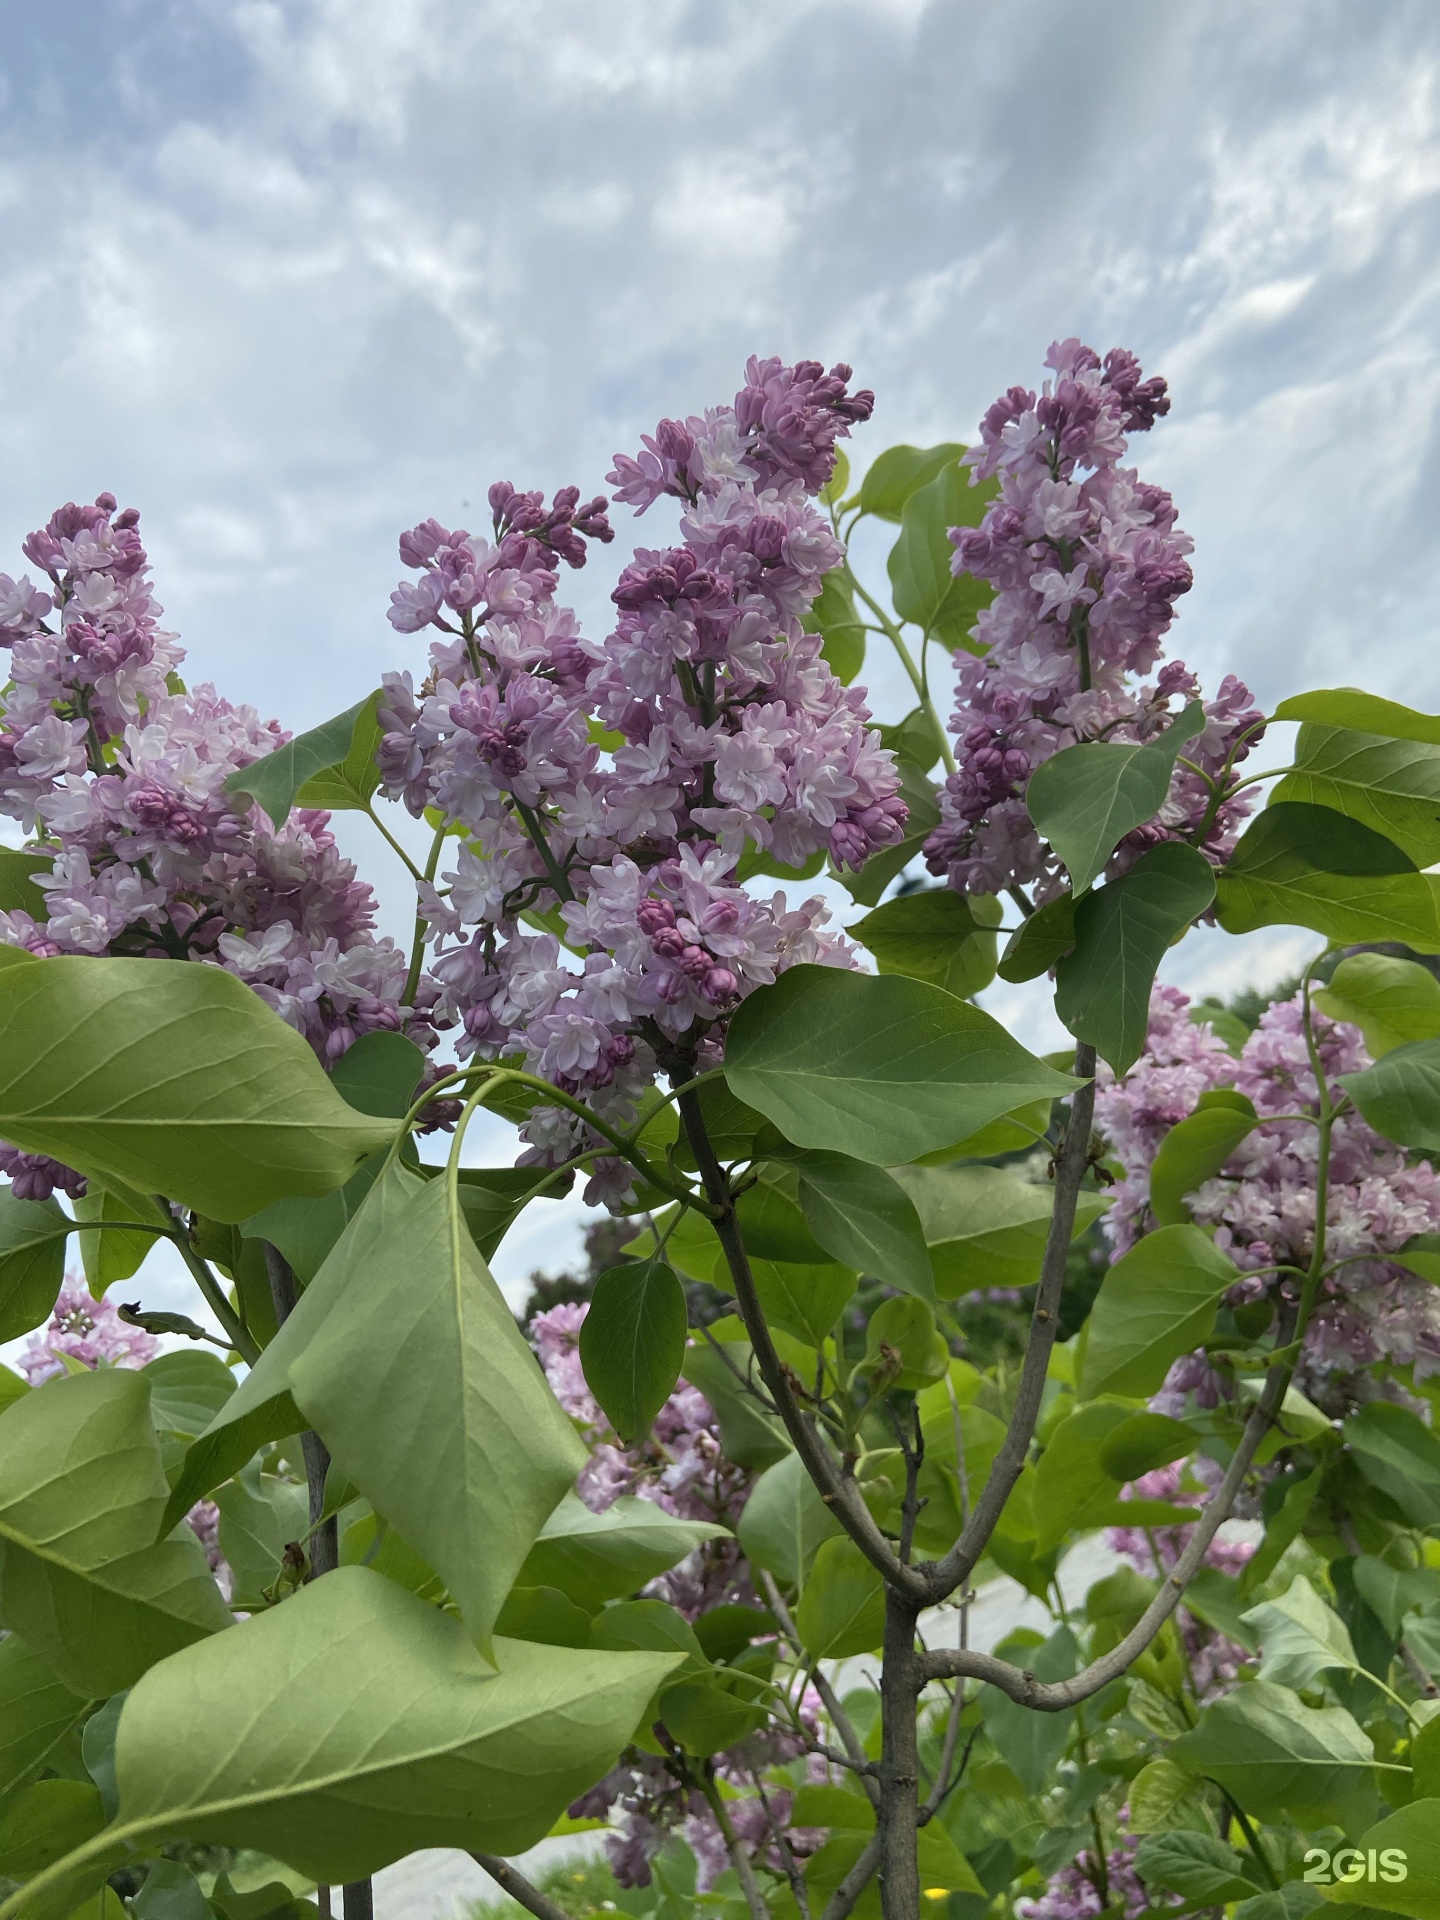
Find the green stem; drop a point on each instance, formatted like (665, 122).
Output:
(422, 925)
(394, 844)
(530, 822)
(907, 660)
(214, 1294)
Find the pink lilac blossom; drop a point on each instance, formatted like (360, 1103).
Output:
(1072, 1893)
(1261, 1206)
(141, 850)
(609, 791)
(1087, 562)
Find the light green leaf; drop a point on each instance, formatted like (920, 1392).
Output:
(1400, 1094)
(1165, 1800)
(1406, 1850)
(834, 488)
(1194, 1152)
(331, 766)
(842, 1610)
(1122, 933)
(187, 1390)
(882, 1068)
(985, 1226)
(924, 589)
(260, 1514)
(1011, 1133)
(785, 1521)
(632, 1344)
(1041, 940)
(1276, 1755)
(543, 1614)
(18, 891)
(1305, 866)
(1300, 1637)
(1390, 1000)
(81, 1495)
(38, 1712)
(1142, 1442)
(1197, 1865)
(474, 1451)
(902, 1347)
(493, 1198)
(1086, 798)
(649, 1626)
(1155, 1303)
(901, 471)
(934, 935)
(119, 1251)
(45, 1822)
(1073, 1489)
(305, 1230)
(803, 1301)
(593, 1557)
(1392, 785)
(32, 1261)
(173, 1078)
(379, 1074)
(433, 1751)
(863, 1218)
(1366, 712)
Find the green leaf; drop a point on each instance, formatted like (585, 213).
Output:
(1367, 712)
(1276, 1755)
(805, 1301)
(1282, 1527)
(919, 796)
(842, 1610)
(785, 1521)
(879, 1067)
(772, 1223)
(543, 1614)
(1392, 1592)
(834, 488)
(1306, 866)
(38, 1712)
(1420, 1255)
(187, 1391)
(1197, 1865)
(901, 1342)
(1390, 1000)
(863, 1218)
(985, 1226)
(434, 1751)
(632, 1344)
(706, 1718)
(493, 1198)
(832, 614)
(1102, 988)
(1165, 1800)
(1300, 1637)
(1192, 1153)
(594, 1557)
(1400, 1094)
(1396, 1452)
(1011, 1133)
(379, 1074)
(1028, 1742)
(171, 1892)
(924, 589)
(474, 1451)
(305, 1230)
(1073, 1488)
(1040, 942)
(32, 1261)
(331, 766)
(173, 1078)
(1157, 1302)
(1392, 786)
(726, 1631)
(901, 471)
(1086, 798)
(1406, 1849)
(44, 1823)
(1143, 1442)
(81, 1495)
(260, 1514)
(649, 1626)
(18, 891)
(934, 935)
(750, 1437)
(118, 1252)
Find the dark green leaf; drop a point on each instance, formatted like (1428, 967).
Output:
(1197, 1865)
(545, 1615)
(1086, 798)
(379, 1074)
(1102, 988)
(45, 1822)
(81, 1495)
(18, 891)
(1157, 1302)
(32, 1261)
(901, 471)
(305, 1230)
(1192, 1153)
(649, 1626)
(1028, 1742)
(435, 1750)
(925, 591)
(1308, 866)
(1390, 1000)
(1392, 1592)
(842, 1610)
(1042, 939)
(772, 1223)
(632, 1344)
(594, 1557)
(1400, 1094)
(173, 1078)
(705, 1718)
(119, 1251)
(882, 1068)
(785, 1521)
(864, 1219)
(916, 738)
(934, 935)
(1276, 1755)
(1397, 1453)
(985, 1226)
(726, 1631)
(803, 1301)
(331, 766)
(1142, 1442)
(171, 1892)
(1392, 785)
(749, 1436)
(1074, 1490)
(832, 614)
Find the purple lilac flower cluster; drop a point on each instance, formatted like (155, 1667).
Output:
(120, 773)
(1262, 1203)
(608, 792)
(1074, 1892)
(1087, 562)
(91, 1333)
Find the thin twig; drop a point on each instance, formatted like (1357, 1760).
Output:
(839, 1719)
(734, 1846)
(842, 1901)
(510, 1880)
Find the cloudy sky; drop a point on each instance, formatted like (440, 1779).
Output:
(291, 274)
